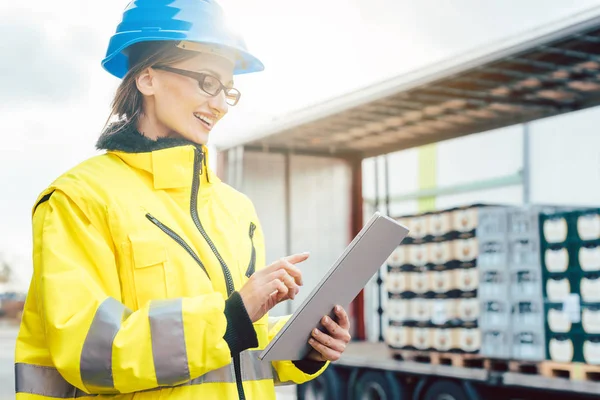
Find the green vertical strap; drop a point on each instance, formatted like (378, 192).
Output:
(427, 175)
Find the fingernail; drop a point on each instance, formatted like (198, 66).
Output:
(326, 319)
(338, 308)
(316, 331)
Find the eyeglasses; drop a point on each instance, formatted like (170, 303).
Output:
(210, 84)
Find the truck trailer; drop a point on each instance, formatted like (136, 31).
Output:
(515, 121)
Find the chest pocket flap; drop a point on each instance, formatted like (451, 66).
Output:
(147, 249)
(150, 268)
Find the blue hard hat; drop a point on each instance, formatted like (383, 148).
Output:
(200, 21)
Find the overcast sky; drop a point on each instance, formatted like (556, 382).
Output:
(55, 97)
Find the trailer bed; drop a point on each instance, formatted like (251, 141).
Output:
(378, 356)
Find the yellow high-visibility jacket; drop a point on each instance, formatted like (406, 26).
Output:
(138, 256)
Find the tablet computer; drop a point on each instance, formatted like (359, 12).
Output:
(350, 273)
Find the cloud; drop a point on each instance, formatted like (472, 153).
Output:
(42, 62)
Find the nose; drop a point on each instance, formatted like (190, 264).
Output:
(218, 104)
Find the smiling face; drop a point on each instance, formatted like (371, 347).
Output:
(175, 105)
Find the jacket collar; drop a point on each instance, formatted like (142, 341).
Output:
(172, 162)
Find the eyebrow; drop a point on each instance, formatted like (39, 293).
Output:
(215, 73)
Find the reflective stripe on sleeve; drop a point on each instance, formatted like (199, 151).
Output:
(253, 368)
(44, 381)
(47, 381)
(168, 342)
(96, 355)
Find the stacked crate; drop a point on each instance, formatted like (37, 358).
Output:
(432, 284)
(528, 335)
(494, 278)
(570, 256)
(470, 280)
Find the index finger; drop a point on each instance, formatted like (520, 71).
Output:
(297, 258)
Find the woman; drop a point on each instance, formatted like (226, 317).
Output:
(149, 277)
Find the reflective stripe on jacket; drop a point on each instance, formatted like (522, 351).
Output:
(137, 253)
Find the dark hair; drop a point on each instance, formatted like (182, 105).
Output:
(127, 104)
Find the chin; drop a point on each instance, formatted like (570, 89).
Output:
(198, 137)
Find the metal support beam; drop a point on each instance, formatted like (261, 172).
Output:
(572, 53)
(356, 224)
(526, 165)
(503, 181)
(458, 94)
(379, 281)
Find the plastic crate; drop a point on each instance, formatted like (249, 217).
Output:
(492, 222)
(524, 251)
(590, 318)
(586, 224)
(565, 348)
(559, 320)
(557, 227)
(526, 282)
(557, 287)
(588, 286)
(586, 256)
(523, 221)
(556, 258)
(495, 313)
(528, 345)
(493, 283)
(591, 349)
(493, 252)
(496, 343)
(528, 313)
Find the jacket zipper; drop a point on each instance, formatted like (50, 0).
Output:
(198, 159)
(252, 264)
(178, 239)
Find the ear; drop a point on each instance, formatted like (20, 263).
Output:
(145, 82)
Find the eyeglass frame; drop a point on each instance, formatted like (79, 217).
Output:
(200, 77)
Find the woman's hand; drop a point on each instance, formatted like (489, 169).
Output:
(270, 286)
(330, 346)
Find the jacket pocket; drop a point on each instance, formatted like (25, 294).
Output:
(149, 258)
(252, 263)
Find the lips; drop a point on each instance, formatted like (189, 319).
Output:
(207, 120)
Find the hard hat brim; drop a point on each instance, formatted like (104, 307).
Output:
(117, 64)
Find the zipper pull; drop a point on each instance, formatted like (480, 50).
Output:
(205, 166)
(252, 229)
(199, 153)
(152, 219)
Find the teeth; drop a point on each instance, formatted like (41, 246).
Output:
(208, 120)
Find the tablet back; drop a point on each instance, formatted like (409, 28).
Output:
(347, 277)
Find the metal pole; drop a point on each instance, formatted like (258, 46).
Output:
(239, 175)
(379, 280)
(526, 165)
(387, 184)
(356, 218)
(288, 213)
(380, 292)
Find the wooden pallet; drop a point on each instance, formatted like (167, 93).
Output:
(571, 371)
(463, 360)
(436, 358)
(521, 367)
